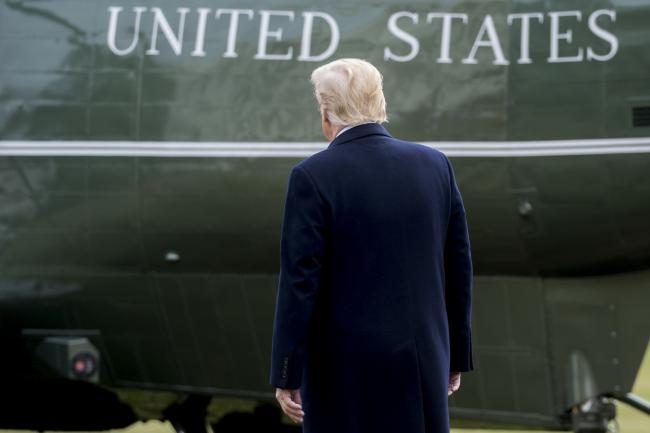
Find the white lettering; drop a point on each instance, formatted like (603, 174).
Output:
(524, 42)
(200, 32)
(602, 34)
(112, 30)
(232, 29)
(307, 28)
(275, 43)
(567, 36)
(265, 34)
(492, 42)
(401, 34)
(175, 40)
(445, 40)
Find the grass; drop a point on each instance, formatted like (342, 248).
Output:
(631, 420)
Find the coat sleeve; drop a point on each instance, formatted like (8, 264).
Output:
(302, 248)
(458, 281)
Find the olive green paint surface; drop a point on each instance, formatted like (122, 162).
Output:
(83, 239)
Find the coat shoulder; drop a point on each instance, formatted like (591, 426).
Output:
(313, 163)
(326, 160)
(316, 158)
(423, 150)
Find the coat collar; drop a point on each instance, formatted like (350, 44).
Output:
(359, 131)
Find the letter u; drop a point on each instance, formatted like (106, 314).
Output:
(112, 29)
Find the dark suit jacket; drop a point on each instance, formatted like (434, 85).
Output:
(374, 294)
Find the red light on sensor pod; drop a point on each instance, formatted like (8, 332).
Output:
(84, 365)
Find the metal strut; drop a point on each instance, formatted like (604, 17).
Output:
(632, 400)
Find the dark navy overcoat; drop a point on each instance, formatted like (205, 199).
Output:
(375, 286)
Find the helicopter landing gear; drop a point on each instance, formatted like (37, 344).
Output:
(596, 415)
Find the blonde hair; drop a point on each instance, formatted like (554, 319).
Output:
(350, 91)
